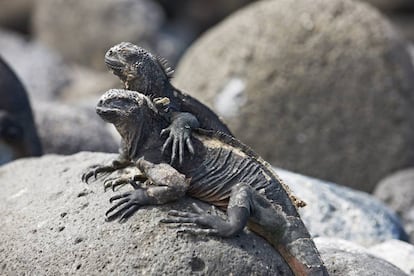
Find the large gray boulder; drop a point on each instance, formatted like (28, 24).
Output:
(399, 253)
(82, 31)
(345, 258)
(340, 212)
(320, 87)
(42, 71)
(52, 223)
(67, 129)
(397, 191)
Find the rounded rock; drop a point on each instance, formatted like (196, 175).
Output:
(320, 87)
(68, 129)
(94, 26)
(54, 224)
(42, 70)
(397, 191)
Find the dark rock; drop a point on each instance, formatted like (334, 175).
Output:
(340, 212)
(41, 70)
(397, 191)
(94, 26)
(16, 14)
(344, 258)
(67, 129)
(390, 5)
(321, 87)
(54, 224)
(399, 253)
(404, 22)
(18, 135)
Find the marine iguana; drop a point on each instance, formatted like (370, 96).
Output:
(223, 172)
(18, 135)
(141, 71)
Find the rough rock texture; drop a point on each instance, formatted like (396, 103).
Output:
(94, 26)
(41, 70)
(340, 212)
(67, 129)
(397, 191)
(399, 253)
(345, 258)
(54, 224)
(329, 79)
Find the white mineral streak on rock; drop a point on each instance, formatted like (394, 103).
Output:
(231, 98)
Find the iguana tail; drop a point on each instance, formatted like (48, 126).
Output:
(295, 245)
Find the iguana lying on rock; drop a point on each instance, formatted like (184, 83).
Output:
(223, 172)
(141, 71)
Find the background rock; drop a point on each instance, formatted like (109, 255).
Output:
(95, 26)
(340, 212)
(397, 191)
(399, 253)
(54, 224)
(344, 258)
(67, 129)
(18, 135)
(322, 88)
(41, 70)
(16, 14)
(389, 5)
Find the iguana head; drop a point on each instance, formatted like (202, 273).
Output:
(137, 68)
(135, 117)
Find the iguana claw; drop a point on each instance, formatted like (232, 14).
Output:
(97, 169)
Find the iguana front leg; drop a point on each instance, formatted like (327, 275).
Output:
(117, 164)
(179, 135)
(167, 185)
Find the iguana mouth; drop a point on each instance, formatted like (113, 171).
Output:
(114, 64)
(108, 113)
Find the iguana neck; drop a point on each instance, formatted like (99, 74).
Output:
(159, 87)
(139, 138)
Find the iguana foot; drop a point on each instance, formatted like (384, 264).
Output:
(179, 136)
(114, 182)
(97, 169)
(212, 224)
(127, 204)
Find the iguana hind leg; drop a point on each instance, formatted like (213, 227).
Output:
(238, 212)
(165, 185)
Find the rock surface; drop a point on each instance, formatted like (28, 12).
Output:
(41, 70)
(340, 212)
(330, 79)
(95, 26)
(67, 129)
(345, 258)
(54, 224)
(397, 191)
(399, 253)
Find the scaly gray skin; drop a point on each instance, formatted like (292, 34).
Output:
(223, 172)
(141, 71)
(18, 136)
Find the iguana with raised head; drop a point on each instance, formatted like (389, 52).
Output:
(141, 71)
(223, 172)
